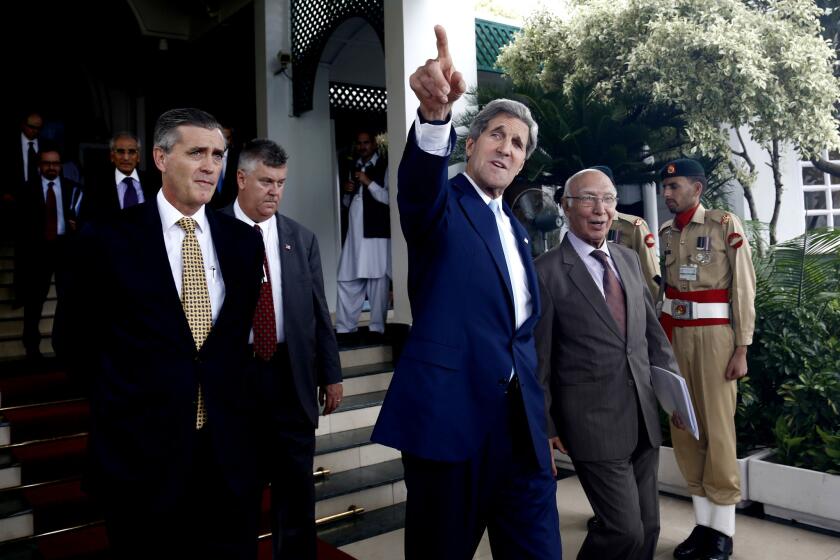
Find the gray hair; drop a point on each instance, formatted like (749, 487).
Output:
(512, 108)
(124, 134)
(261, 150)
(166, 128)
(576, 177)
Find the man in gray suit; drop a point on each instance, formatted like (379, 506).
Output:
(596, 340)
(295, 362)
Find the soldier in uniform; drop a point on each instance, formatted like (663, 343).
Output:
(708, 314)
(634, 233)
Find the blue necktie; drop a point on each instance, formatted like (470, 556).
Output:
(130, 196)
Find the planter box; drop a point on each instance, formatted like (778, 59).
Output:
(671, 479)
(802, 495)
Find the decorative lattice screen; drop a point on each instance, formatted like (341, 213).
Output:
(313, 21)
(351, 97)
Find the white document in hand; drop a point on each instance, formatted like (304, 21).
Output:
(672, 393)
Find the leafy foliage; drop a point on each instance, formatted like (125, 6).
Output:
(791, 398)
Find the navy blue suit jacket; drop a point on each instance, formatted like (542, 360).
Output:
(453, 373)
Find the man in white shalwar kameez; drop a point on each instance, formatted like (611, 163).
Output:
(364, 268)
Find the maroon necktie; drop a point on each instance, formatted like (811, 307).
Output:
(613, 292)
(51, 221)
(265, 326)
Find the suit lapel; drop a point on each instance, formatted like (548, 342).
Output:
(583, 280)
(288, 266)
(527, 261)
(484, 222)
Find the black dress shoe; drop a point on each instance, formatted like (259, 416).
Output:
(594, 523)
(719, 546)
(695, 546)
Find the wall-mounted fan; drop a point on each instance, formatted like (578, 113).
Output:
(540, 215)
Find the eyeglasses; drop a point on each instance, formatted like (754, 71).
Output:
(589, 200)
(123, 151)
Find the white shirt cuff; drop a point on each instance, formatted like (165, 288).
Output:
(432, 138)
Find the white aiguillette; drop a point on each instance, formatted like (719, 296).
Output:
(672, 393)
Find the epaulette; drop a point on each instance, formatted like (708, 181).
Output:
(665, 226)
(637, 222)
(720, 216)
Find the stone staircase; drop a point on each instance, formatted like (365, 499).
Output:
(44, 514)
(43, 434)
(11, 318)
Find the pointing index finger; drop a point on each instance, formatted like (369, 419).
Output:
(442, 42)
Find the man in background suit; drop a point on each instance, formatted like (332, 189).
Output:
(121, 186)
(295, 354)
(596, 340)
(227, 187)
(24, 167)
(159, 312)
(45, 220)
(465, 406)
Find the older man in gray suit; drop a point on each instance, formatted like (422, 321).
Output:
(596, 340)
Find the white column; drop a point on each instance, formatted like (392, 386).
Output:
(311, 194)
(409, 42)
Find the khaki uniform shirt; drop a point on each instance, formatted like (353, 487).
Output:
(634, 233)
(713, 253)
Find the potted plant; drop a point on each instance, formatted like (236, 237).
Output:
(796, 364)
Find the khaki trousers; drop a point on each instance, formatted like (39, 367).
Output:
(709, 465)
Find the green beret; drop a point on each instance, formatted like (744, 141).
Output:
(682, 167)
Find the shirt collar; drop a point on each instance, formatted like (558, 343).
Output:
(266, 226)
(25, 141)
(56, 182)
(371, 161)
(169, 215)
(119, 176)
(584, 249)
(480, 192)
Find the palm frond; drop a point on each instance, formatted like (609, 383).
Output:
(804, 271)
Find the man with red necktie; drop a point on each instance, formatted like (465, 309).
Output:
(295, 355)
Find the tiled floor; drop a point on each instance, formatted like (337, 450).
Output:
(756, 539)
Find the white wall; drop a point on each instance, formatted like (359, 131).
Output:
(409, 42)
(792, 212)
(311, 195)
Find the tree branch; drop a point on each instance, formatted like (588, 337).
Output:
(827, 166)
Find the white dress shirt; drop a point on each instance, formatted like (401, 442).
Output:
(119, 176)
(593, 265)
(516, 270)
(173, 237)
(271, 239)
(59, 205)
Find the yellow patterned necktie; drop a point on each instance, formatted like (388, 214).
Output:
(195, 297)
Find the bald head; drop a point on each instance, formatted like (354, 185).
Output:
(586, 177)
(589, 201)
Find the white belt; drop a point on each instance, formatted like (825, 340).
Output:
(684, 309)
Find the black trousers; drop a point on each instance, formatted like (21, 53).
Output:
(206, 520)
(38, 267)
(288, 451)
